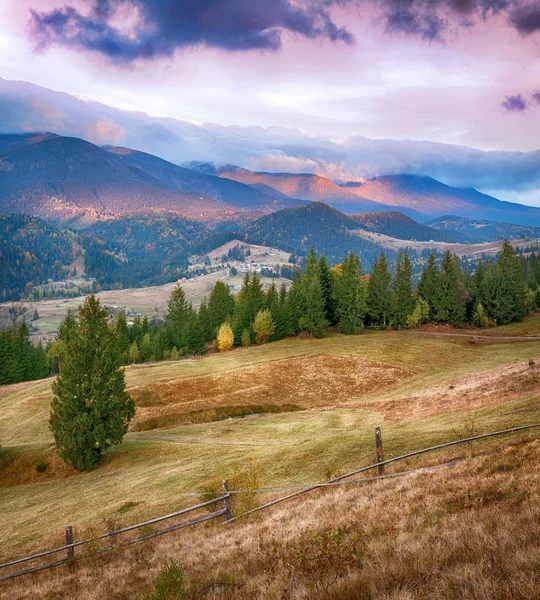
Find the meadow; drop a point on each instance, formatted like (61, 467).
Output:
(309, 409)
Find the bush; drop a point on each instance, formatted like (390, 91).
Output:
(245, 478)
(169, 584)
(481, 318)
(318, 558)
(263, 326)
(42, 466)
(246, 338)
(419, 315)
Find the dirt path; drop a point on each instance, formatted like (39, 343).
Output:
(498, 338)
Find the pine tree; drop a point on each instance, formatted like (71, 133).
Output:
(449, 302)
(351, 296)
(263, 326)
(379, 292)
(293, 306)
(122, 335)
(220, 306)
(177, 314)
(503, 288)
(402, 298)
(311, 307)
(243, 311)
(273, 304)
(91, 409)
(429, 283)
(204, 317)
(193, 337)
(327, 286)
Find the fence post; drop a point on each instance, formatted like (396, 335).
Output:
(228, 514)
(378, 443)
(69, 540)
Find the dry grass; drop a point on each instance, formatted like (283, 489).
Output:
(467, 531)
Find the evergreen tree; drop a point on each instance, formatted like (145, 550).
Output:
(503, 288)
(327, 286)
(312, 308)
(133, 353)
(402, 298)
(193, 338)
(243, 311)
(122, 335)
(274, 305)
(177, 314)
(91, 409)
(449, 303)
(351, 296)
(204, 317)
(293, 306)
(428, 286)
(220, 306)
(379, 292)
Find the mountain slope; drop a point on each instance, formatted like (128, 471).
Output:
(64, 178)
(481, 230)
(316, 225)
(304, 186)
(230, 192)
(397, 225)
(431, 197)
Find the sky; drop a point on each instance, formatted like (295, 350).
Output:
(346, 88)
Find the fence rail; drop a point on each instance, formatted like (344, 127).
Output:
(70, 546)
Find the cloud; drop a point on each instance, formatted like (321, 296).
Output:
(514, 103)
(502, 173)
(536, 97)
(163, 26)
(525, 16)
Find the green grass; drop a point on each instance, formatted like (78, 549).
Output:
(152, 469)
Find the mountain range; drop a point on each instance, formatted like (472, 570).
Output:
(70, 180)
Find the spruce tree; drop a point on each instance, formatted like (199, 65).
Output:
(177, 314)
(449, 303)
(293, 306)
(379, 292)
(311, 316)
(327, 286)
(220, 306)
(91, 409)
(243, 316)
(351, 296)
(193, 336)
(122, 335)
(429, 283)
(402, 298)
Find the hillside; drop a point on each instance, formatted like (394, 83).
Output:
(317, 225)
(63, 179)
(431, 197)
(304, 186)
(232, 193)
(481, 230)
(420, 389)
(397, 225)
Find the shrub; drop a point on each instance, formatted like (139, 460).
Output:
(481, 318)
(246, 478)
(419, 315)
(169, 584)
(318, 558)
(42, 466)
(246, 338)
(225, 338)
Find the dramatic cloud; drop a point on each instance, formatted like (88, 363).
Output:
(162, 26)
(514, 103)
(525, 16)
(508, 175)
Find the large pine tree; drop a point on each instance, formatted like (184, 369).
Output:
(402, 299)
(429, 283)
(91, 409)
(449, 301)
(379, 292)
(327, 286)
(351, 296)
(178, 312)
(220, 306)
(312, 317)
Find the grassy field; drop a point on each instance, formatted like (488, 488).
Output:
(421, 389)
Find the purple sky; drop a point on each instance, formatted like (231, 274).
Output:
(462, 72)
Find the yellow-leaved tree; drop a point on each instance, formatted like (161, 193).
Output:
(225, 338)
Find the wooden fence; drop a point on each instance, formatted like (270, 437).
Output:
(70, 545)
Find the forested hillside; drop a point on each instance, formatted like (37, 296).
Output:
(317, 226)
(481, 230)
(397, 225)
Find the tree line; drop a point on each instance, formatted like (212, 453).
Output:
(20, 360)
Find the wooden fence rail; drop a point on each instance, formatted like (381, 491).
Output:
(71, 545)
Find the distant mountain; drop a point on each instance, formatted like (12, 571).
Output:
(65, 179)
(232, 193)
(431, 197)
(317, 226)
(303, 186)
(397, 225)
(480, 230)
